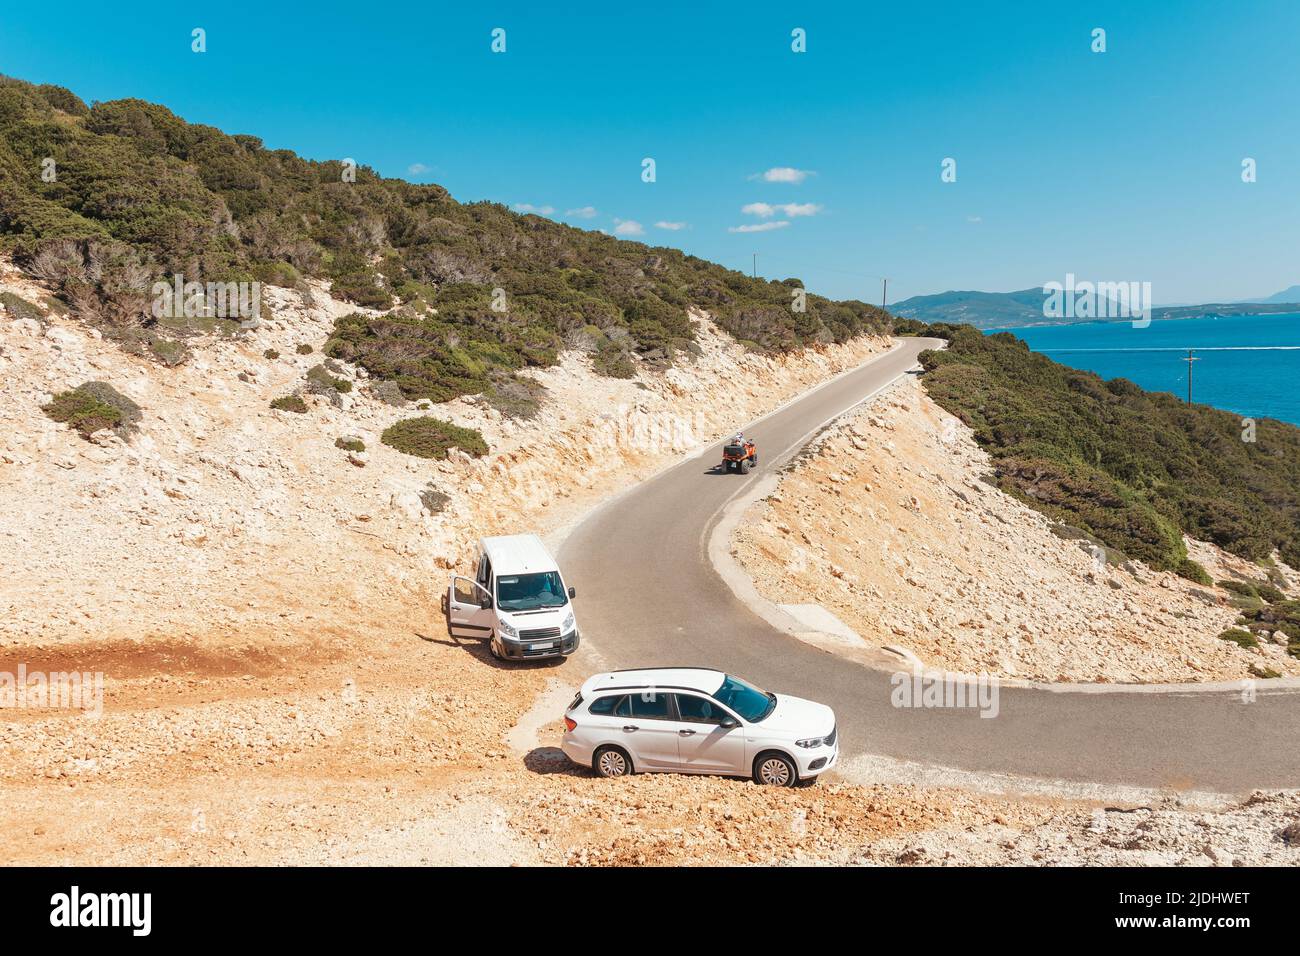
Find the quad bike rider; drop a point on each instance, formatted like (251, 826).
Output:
(739, 454)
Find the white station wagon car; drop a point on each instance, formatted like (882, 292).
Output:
(696, 720)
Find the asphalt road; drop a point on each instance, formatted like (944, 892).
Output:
(648, 596)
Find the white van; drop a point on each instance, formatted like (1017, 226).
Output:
(516, 601)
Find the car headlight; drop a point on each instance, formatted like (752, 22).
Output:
(567, 626)
(508, 629)
(811, 742)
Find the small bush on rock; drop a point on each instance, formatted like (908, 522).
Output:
(93, 406)
(290, 403)
(428, 437)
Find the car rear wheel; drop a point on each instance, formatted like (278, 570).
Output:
(775, 770)
(611, 762)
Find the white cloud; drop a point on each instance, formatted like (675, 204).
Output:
(416, 169)
(974, 218)
(760, 226)
(792, 209)
(582, 212)
(783, 174)
(673, 226)
(529, 207)
(628, 227)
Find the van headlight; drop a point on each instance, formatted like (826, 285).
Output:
(508, 629)
(811, 742)
(567, 626)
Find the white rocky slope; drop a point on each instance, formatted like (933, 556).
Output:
(221, 515)
(888, 523)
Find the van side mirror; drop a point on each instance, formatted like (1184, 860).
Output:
(573, 592)
(485, 602)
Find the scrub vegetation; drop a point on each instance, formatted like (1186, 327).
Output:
(1135, 469)
(469, 291)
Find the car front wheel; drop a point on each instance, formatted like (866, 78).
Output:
(776, 770)
(611, 762)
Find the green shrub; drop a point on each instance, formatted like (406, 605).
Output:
(350, 443)
(92, 406)
(304, 349)
(81, 412)
(1266, 673)
(168, 351)
(613, 362)
(1243, 588)
(1268, 592)
(280, 274)
(290, 403)
(516, 398)
(1240, 637)
(427, 437)
(1192, 571)
(320, 381)
(271, 354)
(20, 308)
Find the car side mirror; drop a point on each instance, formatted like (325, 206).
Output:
(728, 723)
(573, 592)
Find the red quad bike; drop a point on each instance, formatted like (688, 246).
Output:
(739, 456)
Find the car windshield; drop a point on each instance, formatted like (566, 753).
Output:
(530, 592)
(750, 702)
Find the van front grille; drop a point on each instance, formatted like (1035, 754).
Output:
(539, 633)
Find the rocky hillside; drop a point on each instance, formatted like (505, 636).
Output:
(889, 521)
(101, 201)
(1137, 470)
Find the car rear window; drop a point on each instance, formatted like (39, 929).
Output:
(604, 705)
(650, 704)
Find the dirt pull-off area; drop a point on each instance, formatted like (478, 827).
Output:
(888, 522)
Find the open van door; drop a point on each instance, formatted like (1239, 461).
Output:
(469, 609)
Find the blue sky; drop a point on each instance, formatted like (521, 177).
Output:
(1116, 166)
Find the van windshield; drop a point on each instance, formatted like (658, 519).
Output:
(530, 592)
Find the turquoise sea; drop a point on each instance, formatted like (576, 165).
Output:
(1247, 364)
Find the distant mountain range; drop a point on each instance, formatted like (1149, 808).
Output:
(996, 310)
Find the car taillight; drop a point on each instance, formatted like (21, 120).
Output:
(570, 723)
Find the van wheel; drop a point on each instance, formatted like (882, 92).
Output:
(776, 770)
(611, 762)
(492, 648)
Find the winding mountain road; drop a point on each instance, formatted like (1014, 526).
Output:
(649, 596)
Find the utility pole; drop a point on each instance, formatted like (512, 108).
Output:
(884, 292)
(755, 273)
(1189, 360)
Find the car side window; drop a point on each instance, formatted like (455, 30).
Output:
(699, 710)
(604, 706)
(651, 705)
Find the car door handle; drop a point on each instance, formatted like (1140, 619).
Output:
(686, 733)
(631, 727)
